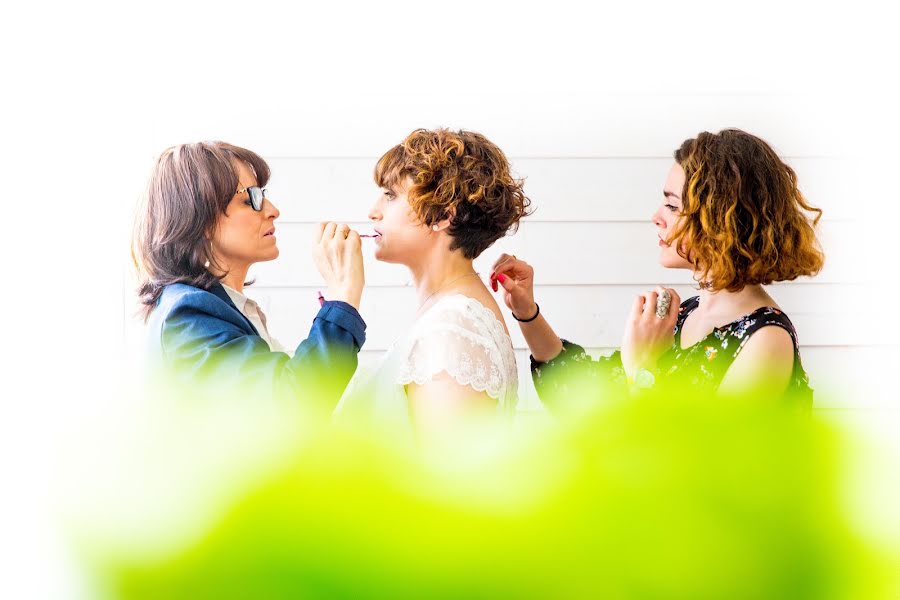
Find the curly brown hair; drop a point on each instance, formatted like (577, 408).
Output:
(460, 175)
(743, 220)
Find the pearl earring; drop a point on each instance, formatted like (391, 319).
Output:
(435, 227)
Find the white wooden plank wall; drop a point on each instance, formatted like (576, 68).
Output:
(594, 169)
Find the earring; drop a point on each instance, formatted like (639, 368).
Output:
(435, 227)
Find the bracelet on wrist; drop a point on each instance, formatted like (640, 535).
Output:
(536, 313)
(643, 379)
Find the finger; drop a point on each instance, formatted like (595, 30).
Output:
(676, 299)
(637, 307)
(650, 304)
(674, 306)
(663, 302)
(500, 260)
(509, 284)
(518, 269)
(342, 230)
(512, 267)
(353, 239)
(320, 229)
(328, 233)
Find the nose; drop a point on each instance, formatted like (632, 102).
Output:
(375, 211)
(656, 218)
(271, 211)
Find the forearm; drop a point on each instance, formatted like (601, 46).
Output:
(326, 360)
(542, 341)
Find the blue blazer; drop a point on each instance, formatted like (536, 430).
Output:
(202, 336)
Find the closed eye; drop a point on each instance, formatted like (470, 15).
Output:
(671, 207)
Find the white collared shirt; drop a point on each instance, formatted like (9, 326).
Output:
(254, 313)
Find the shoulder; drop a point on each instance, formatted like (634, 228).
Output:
(767, 327)
(459, 328)
(764, 364)
(462, 315)
(766, 334)
(181, 304)
(179, 297)
(178, 294)
(771, 340)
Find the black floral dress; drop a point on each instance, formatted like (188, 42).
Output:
(701, 366)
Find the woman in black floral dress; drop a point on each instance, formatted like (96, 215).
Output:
(733, 215)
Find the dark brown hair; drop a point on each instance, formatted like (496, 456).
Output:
(190, 186)
(743, 220)
(459, 175)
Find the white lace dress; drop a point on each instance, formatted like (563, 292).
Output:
(457, 335)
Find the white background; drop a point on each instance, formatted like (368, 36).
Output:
(588, 101)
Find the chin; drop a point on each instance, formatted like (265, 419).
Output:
(271, 255)
(381, 257)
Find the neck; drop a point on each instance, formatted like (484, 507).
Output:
(235, 277)
(716, 301)
(437, 269)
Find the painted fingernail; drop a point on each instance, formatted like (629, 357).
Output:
(501, 277)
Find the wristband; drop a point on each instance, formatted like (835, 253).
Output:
(537, 312)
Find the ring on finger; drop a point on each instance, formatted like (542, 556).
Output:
(663, 303)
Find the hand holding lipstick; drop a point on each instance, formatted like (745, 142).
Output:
(337, 252)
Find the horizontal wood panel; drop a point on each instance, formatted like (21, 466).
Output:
(577, 189)
(562, 253)
(524, 125)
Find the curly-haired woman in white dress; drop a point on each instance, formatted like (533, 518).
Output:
(446, 197)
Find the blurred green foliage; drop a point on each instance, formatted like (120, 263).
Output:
(656, 497)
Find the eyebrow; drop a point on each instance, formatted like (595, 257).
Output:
(671, 195)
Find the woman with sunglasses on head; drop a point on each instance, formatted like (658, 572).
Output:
(733, 215)
(205, 220)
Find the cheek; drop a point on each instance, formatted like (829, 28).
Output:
(235, 232)
(670, 221)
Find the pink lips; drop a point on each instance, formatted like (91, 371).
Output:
(270, 232)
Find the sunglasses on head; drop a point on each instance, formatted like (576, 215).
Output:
(257, 194)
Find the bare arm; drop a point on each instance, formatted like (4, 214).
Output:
(442, 406)
(763, 368)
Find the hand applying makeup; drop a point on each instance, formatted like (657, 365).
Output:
(517, 279)
(337, 252)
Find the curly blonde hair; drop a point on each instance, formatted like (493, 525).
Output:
(743, 220)
(460, 175)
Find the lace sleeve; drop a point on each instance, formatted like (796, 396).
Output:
(451, 342)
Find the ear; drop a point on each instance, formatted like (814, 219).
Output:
(444, 224)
